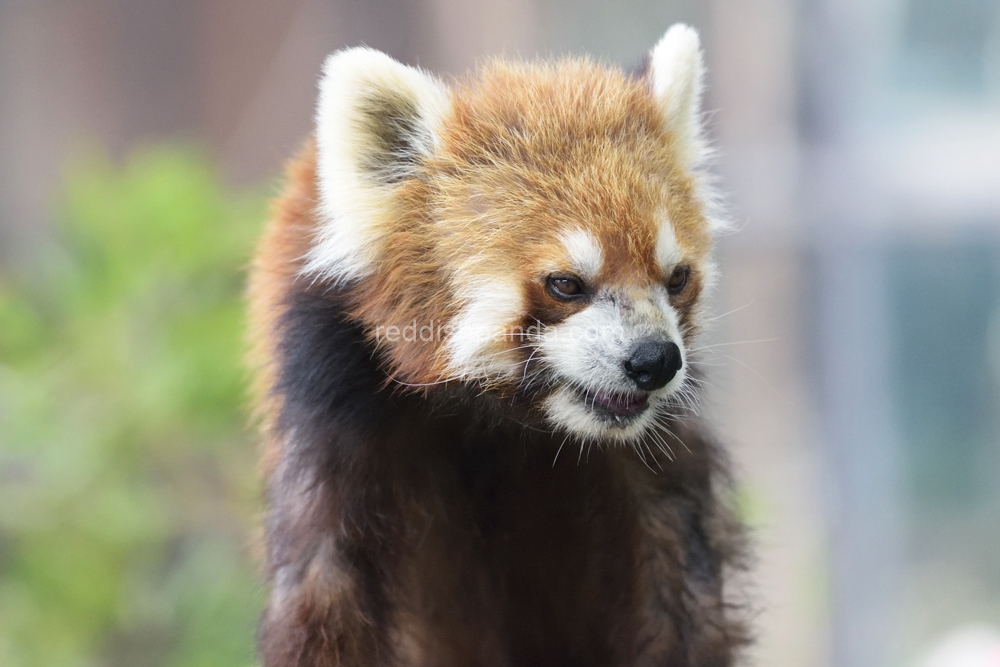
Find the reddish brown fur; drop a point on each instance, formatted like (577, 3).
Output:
(272, 276)
(437, 538)
(632, 182)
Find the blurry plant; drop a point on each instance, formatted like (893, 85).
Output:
(126, 475)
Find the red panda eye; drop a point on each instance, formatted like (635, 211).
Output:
(564, 287)
(678, 280)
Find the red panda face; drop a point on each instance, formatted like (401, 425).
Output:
(540, 233)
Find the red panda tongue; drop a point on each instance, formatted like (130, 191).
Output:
(620, 404)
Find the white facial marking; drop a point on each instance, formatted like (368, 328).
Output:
(355, 209)
(477, 334)
(584, 252)
(668, 251)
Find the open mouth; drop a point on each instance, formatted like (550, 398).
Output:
(618, 405)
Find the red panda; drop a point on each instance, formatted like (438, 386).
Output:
(473, 318)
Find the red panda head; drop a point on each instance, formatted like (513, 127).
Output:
(538, 233)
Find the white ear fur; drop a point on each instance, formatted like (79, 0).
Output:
(677, 72)
(375, 120)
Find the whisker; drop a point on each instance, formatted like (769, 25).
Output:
(738, 342)
(424, 384)
(642, 456)
(652, 455)
(699, 362)
(675, 437)
(559, 450)
(759, 376)
(716, 318)
(662, 444)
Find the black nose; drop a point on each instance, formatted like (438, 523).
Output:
(653, 364)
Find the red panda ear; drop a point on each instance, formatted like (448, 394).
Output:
(677, 74)
(376, 120)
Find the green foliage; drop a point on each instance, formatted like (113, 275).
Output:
(127, 476)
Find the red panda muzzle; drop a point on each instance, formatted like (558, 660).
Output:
(620, 404)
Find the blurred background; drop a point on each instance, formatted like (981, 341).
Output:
(856, 376)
